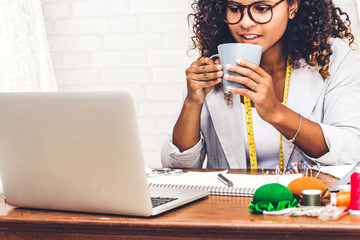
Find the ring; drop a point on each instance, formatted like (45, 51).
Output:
(254, 86)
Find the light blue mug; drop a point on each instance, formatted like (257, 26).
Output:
(229, 52)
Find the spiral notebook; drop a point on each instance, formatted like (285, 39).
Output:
(244, 184)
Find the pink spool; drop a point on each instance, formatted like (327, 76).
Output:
(355, 192)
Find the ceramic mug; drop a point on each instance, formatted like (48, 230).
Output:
(229, 52)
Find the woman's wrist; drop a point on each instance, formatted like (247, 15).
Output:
(278, 115)
(193, 105)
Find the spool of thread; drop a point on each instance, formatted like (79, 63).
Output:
(355, 192)
(312, 197)
(343, 199)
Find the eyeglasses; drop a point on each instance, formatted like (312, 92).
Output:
(261, 13)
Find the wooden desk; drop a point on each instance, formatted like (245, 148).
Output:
(217, 217)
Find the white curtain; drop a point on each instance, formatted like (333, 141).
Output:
(25, 63)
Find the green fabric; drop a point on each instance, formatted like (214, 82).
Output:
(272, 197)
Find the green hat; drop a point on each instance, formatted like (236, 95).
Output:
(272, 197)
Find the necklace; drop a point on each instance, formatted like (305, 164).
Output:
(249, 122)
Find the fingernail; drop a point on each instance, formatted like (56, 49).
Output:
(238, 60)
(229, 89)
(226, 76)
(228, 66)
(219, 67)
(220, 73)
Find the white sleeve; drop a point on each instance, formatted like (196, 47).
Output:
(172, 157)
(344, 146)
(341, 117)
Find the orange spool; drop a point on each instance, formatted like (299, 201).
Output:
(343, 199)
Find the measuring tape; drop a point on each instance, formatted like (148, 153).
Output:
(250, 128)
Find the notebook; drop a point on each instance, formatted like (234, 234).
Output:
(78, 152)
(244, 185)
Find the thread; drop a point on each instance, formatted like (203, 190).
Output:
(355, 192)
(343, 199)
(312, 197)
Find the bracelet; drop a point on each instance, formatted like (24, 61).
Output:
(293, 139)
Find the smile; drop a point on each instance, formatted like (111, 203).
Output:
(250, 36)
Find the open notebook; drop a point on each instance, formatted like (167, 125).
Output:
(78, 152)
(244, 184)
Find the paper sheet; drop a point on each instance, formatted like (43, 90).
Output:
(336, 171)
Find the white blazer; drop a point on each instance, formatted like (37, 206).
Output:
(332, 103)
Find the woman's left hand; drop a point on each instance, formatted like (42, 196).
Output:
(262, 92)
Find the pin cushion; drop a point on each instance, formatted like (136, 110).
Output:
(272, 197)
(305, 183)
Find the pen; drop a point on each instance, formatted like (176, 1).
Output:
(224, 180)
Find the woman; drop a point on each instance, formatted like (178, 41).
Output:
(320, 123)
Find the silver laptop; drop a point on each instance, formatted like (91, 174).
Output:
(77, 152)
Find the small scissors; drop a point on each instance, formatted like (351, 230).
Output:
(164, 172)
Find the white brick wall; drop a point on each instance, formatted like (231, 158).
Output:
(134, 45)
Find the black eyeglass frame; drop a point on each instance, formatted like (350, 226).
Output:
(243, 7)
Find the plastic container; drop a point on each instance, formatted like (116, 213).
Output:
(342, 198)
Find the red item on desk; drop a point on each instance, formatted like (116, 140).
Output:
(355, 192)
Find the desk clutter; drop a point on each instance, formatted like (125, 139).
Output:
(295, 191)
(300, 191)
(310, 198)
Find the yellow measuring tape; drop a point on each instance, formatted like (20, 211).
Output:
(250, 128)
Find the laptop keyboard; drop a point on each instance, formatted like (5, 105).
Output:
(158, 201)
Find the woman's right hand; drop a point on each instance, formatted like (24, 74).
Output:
(201, 76)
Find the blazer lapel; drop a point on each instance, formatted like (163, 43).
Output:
(228, 126)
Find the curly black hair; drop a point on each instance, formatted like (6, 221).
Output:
(306, 37)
